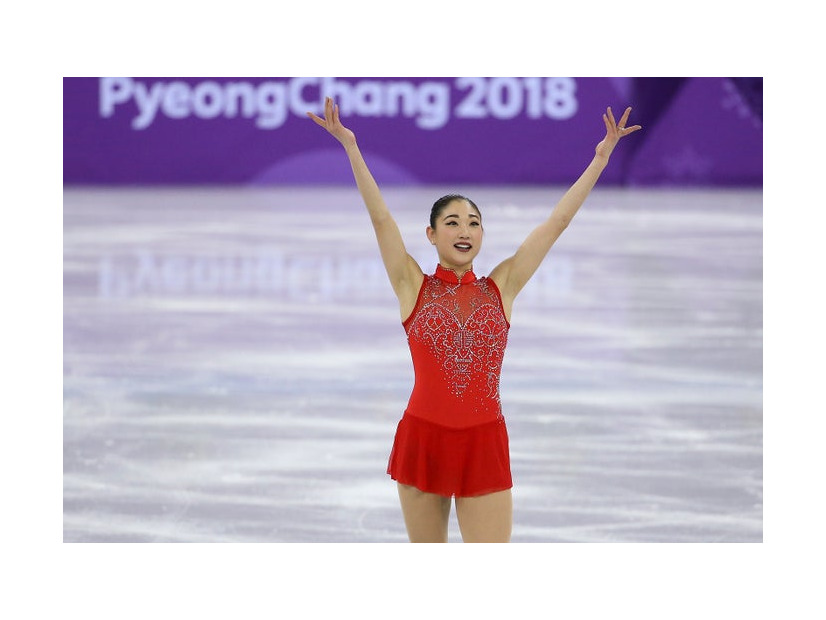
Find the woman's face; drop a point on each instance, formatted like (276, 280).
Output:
(457, 236)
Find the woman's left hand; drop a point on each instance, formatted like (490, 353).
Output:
(614, 131)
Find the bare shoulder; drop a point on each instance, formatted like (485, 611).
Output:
(407, 289)
(499, 275)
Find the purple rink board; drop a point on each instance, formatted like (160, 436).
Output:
(412, 131)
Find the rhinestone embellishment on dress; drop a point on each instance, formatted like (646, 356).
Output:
(464, 329)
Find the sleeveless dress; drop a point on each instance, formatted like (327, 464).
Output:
(452, 438)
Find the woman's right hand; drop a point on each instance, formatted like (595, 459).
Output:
(332, 123)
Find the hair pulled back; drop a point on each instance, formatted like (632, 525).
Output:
(442, 202)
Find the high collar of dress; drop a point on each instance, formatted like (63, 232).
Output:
(451, 277)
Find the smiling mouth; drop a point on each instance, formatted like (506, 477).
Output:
(463, 247)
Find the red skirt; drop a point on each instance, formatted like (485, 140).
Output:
(451, 461)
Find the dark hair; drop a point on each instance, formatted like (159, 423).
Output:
(440, 205)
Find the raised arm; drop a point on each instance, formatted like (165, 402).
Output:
(514, 272)
(404, 273)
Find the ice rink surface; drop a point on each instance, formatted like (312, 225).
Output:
(234, 365)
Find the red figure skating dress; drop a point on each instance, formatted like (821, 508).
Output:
(452, 439)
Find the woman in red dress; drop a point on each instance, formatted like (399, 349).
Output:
(452, 441)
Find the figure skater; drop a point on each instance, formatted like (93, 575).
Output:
(451, 441)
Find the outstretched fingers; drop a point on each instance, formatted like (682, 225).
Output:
(613, 126)
(624, 120)
(331, 118)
